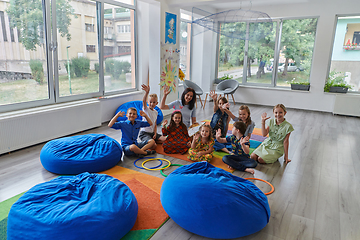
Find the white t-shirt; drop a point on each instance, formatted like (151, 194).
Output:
(153, 114)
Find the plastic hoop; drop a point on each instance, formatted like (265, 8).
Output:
(162, 173)
(154, 169)
(144, 158)
(272, 187)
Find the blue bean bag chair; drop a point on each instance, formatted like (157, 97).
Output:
(78, 154)
(86, 206)
(138, 105)
(213, 203)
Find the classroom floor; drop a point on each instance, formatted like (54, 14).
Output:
(316, 195)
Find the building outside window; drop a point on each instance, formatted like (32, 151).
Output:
(89, 27)
(2, 22)
(345, 58)
(90, 48)
(123, 28)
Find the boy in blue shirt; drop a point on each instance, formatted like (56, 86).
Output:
(130, 130)
(240, 148)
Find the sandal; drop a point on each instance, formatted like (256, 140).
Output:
(150, 152)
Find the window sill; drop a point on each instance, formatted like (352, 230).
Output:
(46, 108)
(284, 89)
(64, 105)
(135, 92)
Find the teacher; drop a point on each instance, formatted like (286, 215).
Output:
(185, 105)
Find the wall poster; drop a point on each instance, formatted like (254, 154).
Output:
(170, 28)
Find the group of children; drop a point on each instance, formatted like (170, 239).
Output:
(175, 137)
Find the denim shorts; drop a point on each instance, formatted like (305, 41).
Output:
(146, 136)
(128, 152)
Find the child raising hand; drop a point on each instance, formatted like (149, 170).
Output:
(277, 144)
(202, 145)
(239, 158)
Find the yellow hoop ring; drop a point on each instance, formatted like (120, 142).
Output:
(161, 168)
(272, 187)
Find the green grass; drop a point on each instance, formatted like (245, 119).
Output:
(26, 90)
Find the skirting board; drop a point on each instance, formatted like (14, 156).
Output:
(347, 104)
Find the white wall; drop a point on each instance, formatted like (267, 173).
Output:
(316, 99)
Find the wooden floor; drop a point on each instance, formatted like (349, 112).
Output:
(317, 195)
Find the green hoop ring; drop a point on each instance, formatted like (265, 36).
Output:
(162, 173)
(154, 169)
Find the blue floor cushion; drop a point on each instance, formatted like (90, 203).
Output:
(83, 153)
(138, 105)
(213, 203)
(85, 206)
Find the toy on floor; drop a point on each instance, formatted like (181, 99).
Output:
(272, 187)
(165, 175)
(213, 203)
(86, 206)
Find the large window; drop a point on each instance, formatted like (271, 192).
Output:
(345, 59)
(231, 52)
(23, 65)
(78, 55)
(296, 50)
(265, 63)
(260, 54)
(54, 57)
(119, 57)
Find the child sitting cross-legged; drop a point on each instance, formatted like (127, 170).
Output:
(202, 146)
(239, 158)
(178, 140)
(130, 130)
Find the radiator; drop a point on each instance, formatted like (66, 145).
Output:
(28, 127)
(347, 104)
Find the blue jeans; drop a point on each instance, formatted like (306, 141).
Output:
(239, 162)
(218, 146)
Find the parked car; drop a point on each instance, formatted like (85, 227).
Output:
(270, 67)
(291, 67)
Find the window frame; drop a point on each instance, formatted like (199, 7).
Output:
(279, 21)
(190, 46)
(51, 56)
(337, 16)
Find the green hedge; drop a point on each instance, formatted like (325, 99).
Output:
(37, 70)
(72, 71)
(81, 66)
(116, 68)
(96, 67)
